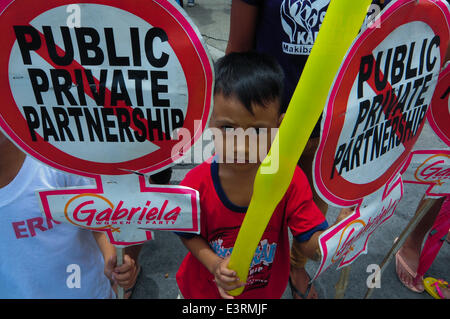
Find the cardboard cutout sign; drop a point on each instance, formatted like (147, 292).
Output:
(121, 83)
(429, 167)
(374, 115)
(102, 99)
(439, 114)
(127, 211)
(345, 242)
(377, 106)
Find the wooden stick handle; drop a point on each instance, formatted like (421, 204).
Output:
(341, 285)
(119, 253)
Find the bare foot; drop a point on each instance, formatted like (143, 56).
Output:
(407, 262)
(300, 279)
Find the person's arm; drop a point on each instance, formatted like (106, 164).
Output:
(225, 278)
(108, 250)
(243, 21)
(124, 275)
(310, 247)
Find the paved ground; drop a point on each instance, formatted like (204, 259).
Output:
(161, 257)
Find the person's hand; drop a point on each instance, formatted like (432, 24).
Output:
(344, 213)
(226, 279)
(124, 275)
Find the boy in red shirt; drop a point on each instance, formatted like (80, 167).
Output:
(247, 96)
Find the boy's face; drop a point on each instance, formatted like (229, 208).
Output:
(243, 139)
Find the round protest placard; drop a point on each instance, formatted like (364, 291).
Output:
(377, 105)
(102, 92)
(439, 114)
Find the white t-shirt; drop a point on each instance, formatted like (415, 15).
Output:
(40, 258)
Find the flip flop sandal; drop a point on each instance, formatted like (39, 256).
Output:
(294, 290)
(433, 287)
(400, 262)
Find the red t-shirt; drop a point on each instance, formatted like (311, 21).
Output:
(220, 222)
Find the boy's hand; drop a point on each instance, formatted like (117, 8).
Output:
(226, 279)
(343, 214)
(124, 275)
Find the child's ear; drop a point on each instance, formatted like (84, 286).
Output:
(280, 118)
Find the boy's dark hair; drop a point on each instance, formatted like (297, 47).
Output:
(250, 77)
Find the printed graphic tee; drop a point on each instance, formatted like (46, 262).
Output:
(42, 258)
(287, 30)
(220, 223)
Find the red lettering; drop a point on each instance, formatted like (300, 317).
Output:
(444, 174)
(429, 171)
(144, 210)
(119, 212)
(35, 223)
(347, 242)
(173, 214)
(133, 211)
(152, 213)
(27, 228)
(122, 214)
(50, 223)
(163, 207)
(18, 231)
(90, 213)
(104, 215)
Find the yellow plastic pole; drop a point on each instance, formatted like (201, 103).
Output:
(341, 25)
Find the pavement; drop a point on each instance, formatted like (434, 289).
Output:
(161, 257)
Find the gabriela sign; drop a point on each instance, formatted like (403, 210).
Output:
(375, 112)
(377, 106)
(132, 73)
(102, 99)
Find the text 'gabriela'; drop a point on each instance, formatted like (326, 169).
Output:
(87, 213)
